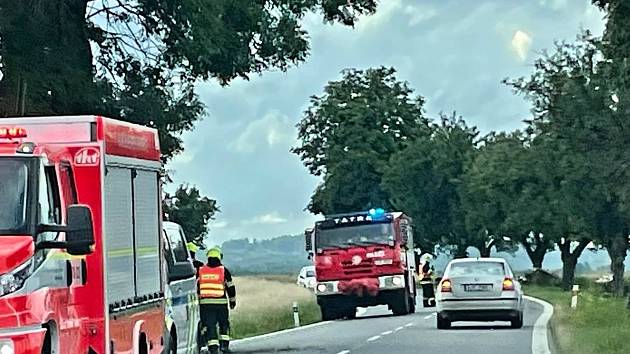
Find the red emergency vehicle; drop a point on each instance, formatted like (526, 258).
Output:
(363, 259)
(81, 267)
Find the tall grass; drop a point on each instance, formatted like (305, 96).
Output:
(599, 325)
(267, 305)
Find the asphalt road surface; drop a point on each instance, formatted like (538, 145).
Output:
(376, 331)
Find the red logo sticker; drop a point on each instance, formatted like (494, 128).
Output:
(87, 157)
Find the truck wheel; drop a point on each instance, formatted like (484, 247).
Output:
(401, 305)
(412, 305)
(328, 314)
(442, 323)
(351, 314)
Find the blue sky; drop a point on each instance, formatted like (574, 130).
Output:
(453, 52)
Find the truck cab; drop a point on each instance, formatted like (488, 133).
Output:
(81, 267)
(363, 259)
(182, 310)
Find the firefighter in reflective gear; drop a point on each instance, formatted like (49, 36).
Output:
(426, 281)
(193, 249)
(216, 293)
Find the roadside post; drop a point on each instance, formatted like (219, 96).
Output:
(296, 315)
(574, 296)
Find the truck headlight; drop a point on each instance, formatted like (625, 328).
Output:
(322, 288)
(12, 282)
(6, 346)
(398, 280)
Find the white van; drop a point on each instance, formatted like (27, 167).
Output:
(182, 310)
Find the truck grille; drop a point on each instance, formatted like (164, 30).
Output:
(365, 267)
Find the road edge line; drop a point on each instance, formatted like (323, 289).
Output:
(540, 339)
(277, 333)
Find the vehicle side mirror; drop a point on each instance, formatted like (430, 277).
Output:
(181, 271)
(308, 240)
(80, 230)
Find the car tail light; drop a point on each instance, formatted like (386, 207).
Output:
(446, 286)
(508, 284)
(12, 133)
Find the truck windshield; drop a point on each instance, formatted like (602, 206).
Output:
(13, 192)
(361, 235)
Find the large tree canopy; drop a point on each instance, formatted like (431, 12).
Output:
(191, 211)
(138, 60)
(349, 133)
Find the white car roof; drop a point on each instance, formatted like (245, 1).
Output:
(477, 259)
(170, 225)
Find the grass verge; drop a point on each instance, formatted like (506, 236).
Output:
(599, 325)
(266, 306)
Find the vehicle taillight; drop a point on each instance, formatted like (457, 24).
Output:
(12, 133)
(446, 286)
(508, 284)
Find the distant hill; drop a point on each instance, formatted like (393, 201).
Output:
(286, 255)
(280, 255)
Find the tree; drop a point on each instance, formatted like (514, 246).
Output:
(190, 210)
(348, 134)
(118, 57)
(505, 195)
(423, 181)
(576, 116)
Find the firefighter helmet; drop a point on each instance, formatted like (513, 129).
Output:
(192, 247)
(215, 252)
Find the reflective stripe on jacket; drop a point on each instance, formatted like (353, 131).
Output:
(211, 282)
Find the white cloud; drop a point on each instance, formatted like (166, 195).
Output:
(418, 14)
(273, 129)
(554, 4)
(218, 225)
(521, 43)
(267, 219)
(384, 12)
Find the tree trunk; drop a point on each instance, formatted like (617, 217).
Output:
(617, 248)
(536, 252)
(569, 260)
(46, 58)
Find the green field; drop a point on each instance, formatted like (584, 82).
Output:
(599, 325)
(265, 304)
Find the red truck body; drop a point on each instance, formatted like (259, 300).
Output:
(363, 259)
(111, 299)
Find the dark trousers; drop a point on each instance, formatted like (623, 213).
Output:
(213, 315)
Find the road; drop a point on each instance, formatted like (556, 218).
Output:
(375, 331)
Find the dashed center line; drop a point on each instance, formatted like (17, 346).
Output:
(399, 329)
(427, 317)
(386, 333)
(371, 339)
(344, 352)
(409, 324)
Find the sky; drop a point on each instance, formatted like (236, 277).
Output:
(453, 52)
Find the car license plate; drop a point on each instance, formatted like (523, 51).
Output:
(478, 287)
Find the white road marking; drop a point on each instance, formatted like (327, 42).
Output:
(371, 339)
(399, 329)
(540, 342)
(274, 334)
(344, 352)
(427, 317)
(387, 333)
(409, 324)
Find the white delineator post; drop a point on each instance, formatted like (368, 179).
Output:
(574, 296)
(296, 315)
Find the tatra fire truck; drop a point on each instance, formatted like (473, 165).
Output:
(363, 259)
(81, 267)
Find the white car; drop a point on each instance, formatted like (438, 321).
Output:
(306, 278)
(479, 289)
(182, 310)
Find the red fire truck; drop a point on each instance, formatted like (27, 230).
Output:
(81, 267)
(363, 259)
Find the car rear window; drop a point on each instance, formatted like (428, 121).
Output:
(476, 268)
